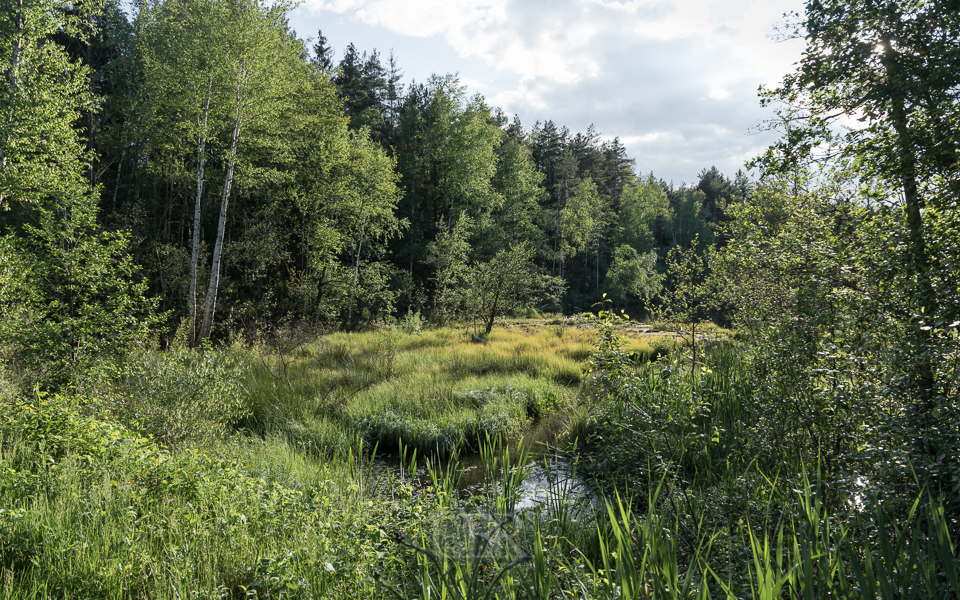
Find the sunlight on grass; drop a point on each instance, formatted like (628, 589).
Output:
(439, 391)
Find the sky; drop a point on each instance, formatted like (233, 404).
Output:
(675, 80)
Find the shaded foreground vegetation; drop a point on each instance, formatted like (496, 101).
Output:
(273, 494)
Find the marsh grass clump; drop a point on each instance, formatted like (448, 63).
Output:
(435, 390)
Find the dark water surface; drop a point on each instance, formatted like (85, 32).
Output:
(551, 478)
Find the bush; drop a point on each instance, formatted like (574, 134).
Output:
(411, 323)
(177, 395)
(53, 426)
(664, 346)
(71, 298)
(527, 312)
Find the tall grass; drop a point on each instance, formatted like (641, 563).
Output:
(92, 510)
(806, 553)
(439, 391)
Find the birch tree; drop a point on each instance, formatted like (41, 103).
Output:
(261, 63)
(182, 48)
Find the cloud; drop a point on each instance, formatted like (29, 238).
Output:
(675, 80)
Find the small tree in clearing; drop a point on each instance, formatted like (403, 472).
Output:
(687, 301)
(507, 280)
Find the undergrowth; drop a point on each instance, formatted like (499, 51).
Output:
(283, 501)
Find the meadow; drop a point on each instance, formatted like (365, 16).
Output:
(249, 472)
(440, 391)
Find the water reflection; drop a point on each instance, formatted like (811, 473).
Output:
(552, 480)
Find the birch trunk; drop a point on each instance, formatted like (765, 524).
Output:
(221, 227)
(195, 252)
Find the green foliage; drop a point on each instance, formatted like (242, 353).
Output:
(346, 193)
(689, 295)
(701, 446)
(411, 323)
(71, 297)
(90, 508)
(507, 281)
(644, 214)
(793, 274)
(659, 419)
(519, 183)
(111, 507)
(687, 225)
(435, 390)
(177, 396)
(55, 427)
(484, 571)
(841, 281)
(42, 95)
(610, 364)
(633, 275)
(68, 290)
(203, 104)
(886, 64)
(314, 250)
(448, 256)
(581, 219)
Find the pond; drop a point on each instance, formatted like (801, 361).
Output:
(539, 478)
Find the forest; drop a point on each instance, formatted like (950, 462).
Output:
(264, 306)
(256, 182)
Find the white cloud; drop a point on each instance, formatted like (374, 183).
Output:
(682, 71)
(718, 93)
(657, 137)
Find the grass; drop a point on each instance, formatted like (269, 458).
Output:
(93, 510)
(439, 391)
(290, 506)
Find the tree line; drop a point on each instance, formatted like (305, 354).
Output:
(251, 179)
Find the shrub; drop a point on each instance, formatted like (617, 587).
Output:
(411, 323)
(177, 395)
(71, 298)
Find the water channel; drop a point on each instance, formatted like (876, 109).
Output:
(543, 479)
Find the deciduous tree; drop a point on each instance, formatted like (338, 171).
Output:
(885, 71)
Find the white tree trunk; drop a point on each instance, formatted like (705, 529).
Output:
(195, 252)
(221, 227)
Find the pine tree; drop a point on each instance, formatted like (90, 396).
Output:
(323, 53)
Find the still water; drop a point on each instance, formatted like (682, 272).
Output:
(548, 479)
